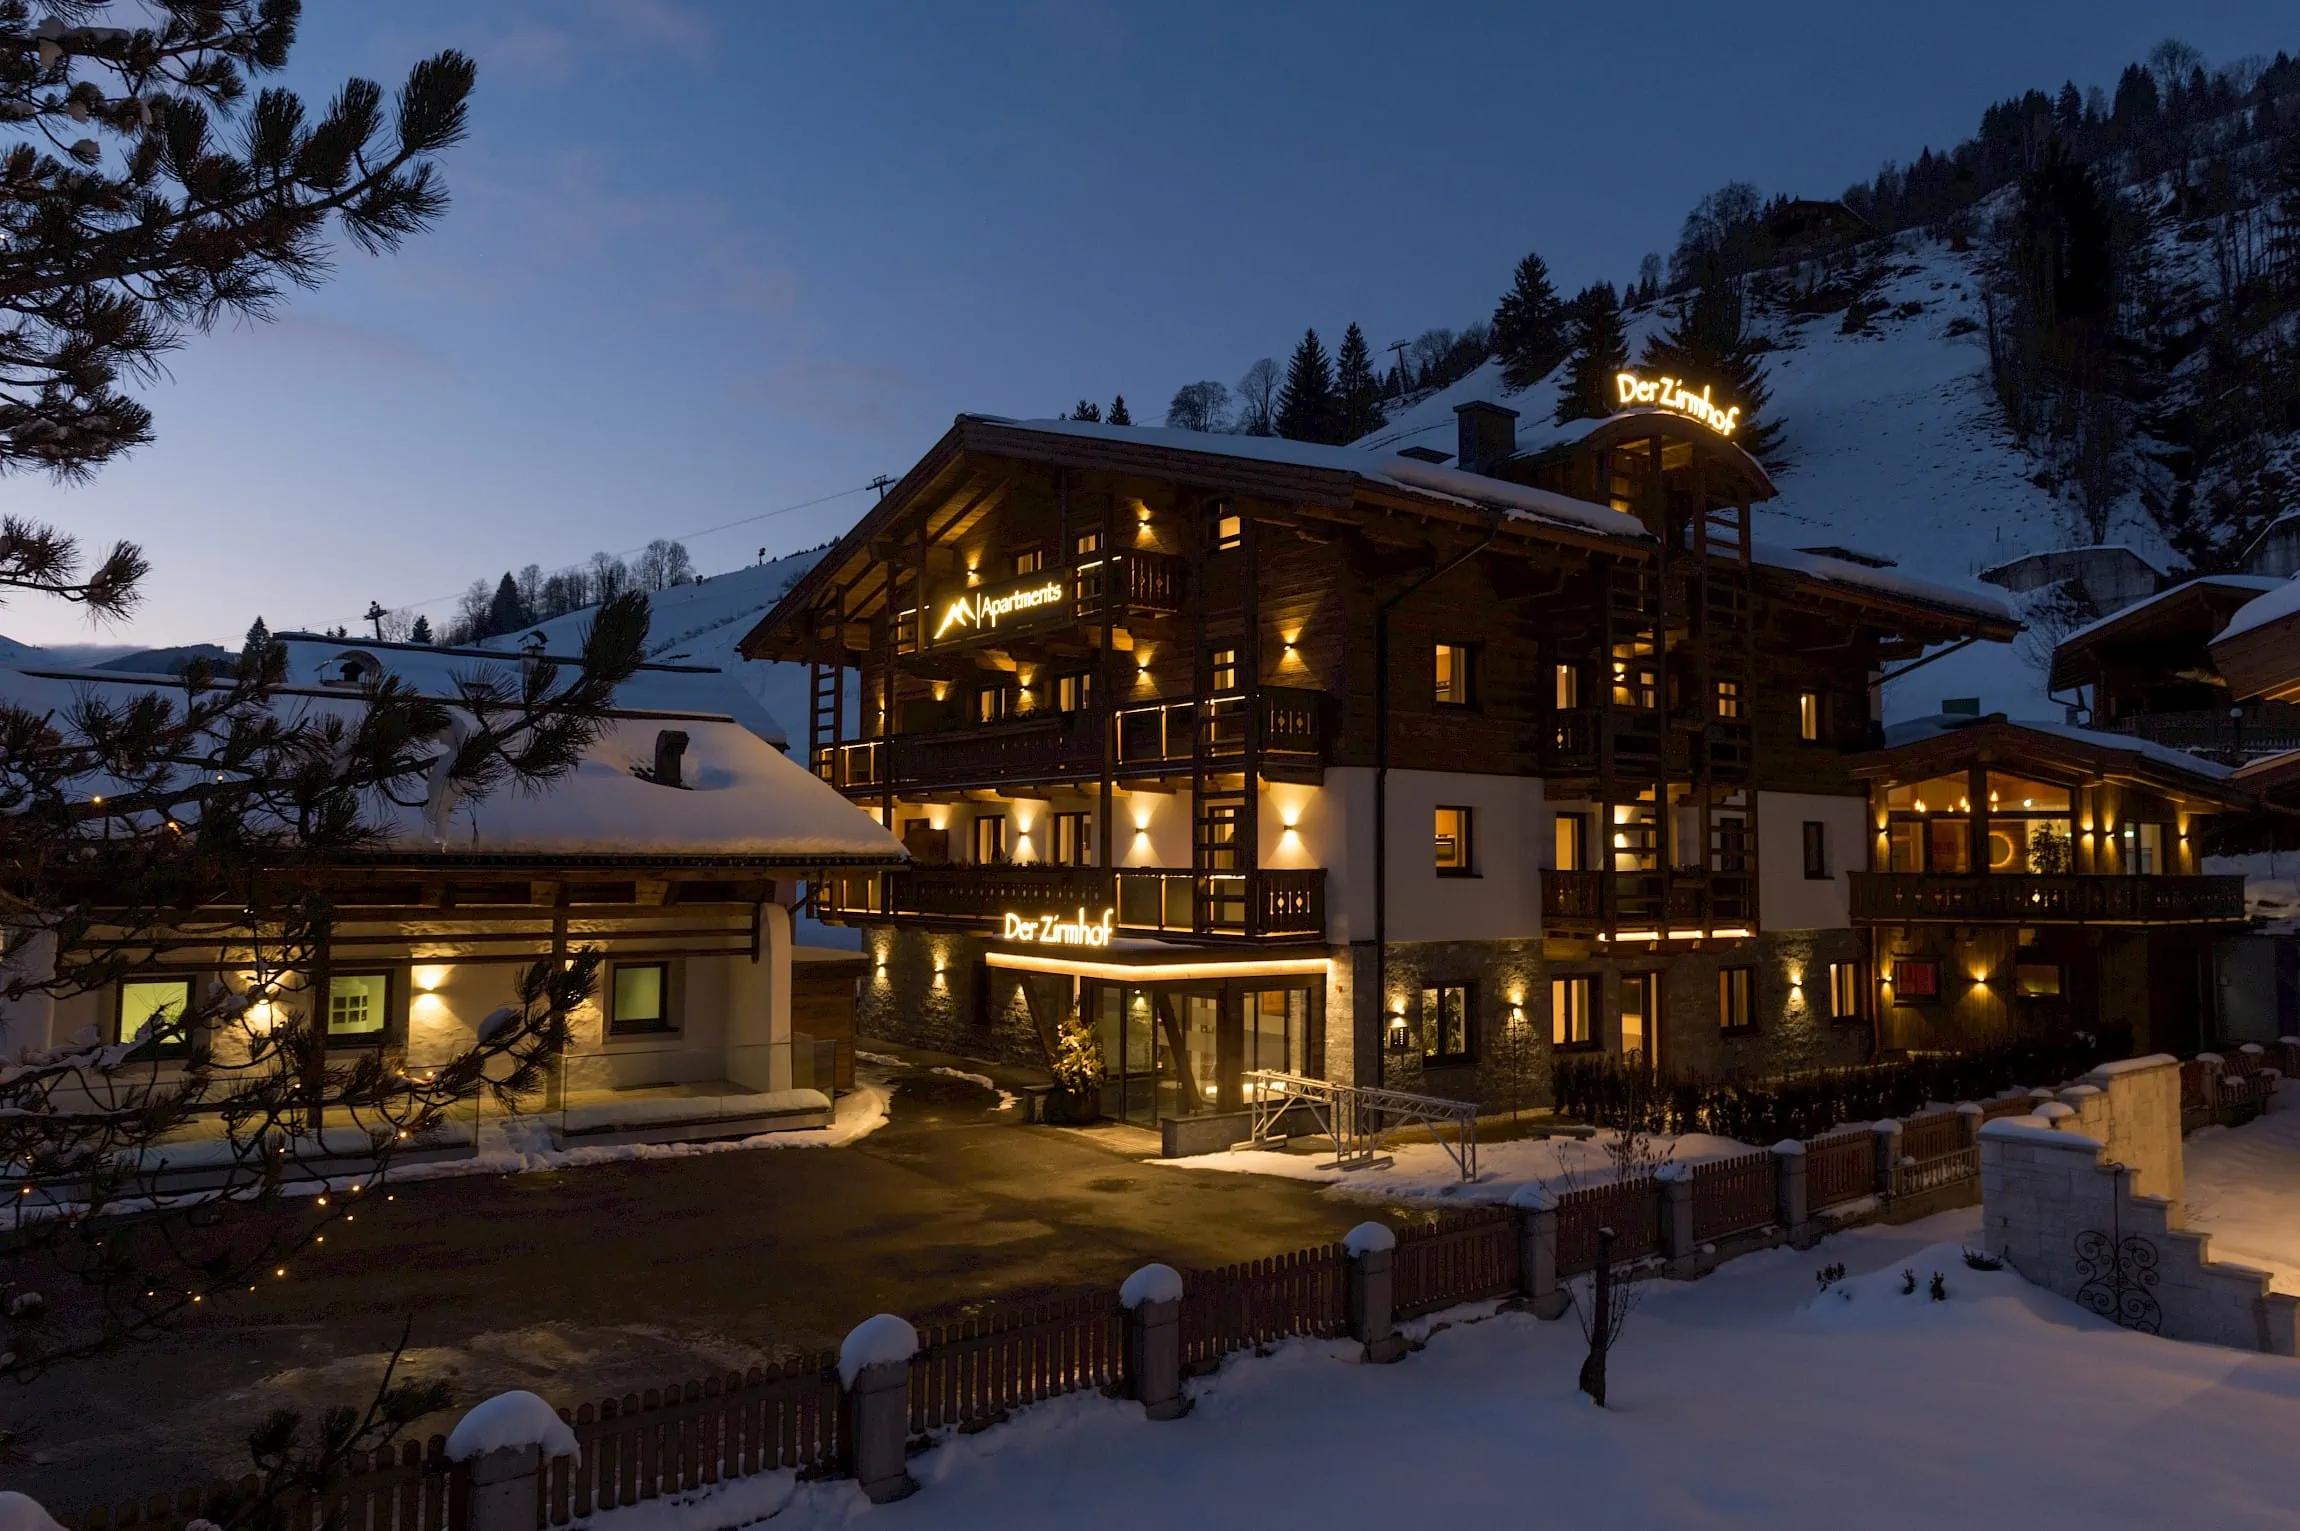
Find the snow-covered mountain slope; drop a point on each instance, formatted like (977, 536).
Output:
(1891, 446)
(701, 624)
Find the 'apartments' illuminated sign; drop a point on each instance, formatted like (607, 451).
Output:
(981, 610)
(1055, 930)
(1670, 396)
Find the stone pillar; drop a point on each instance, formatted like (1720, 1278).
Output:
(1373, 1255)
(1676, 1183)
(1792, 1204)
(1535, 1208)
(506, 1489)
(1888, 1153)
(874, 1372)
(1152, 1298)
(1970, 1116)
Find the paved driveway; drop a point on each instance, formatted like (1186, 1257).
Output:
(585, 1283)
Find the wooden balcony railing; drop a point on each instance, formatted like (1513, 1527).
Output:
(1659, 900)
(1898, 898)
(1262, 903)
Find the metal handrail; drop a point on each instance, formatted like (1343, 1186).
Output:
(1353, 1117)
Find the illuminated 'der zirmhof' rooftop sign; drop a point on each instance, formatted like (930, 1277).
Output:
(979, 611)
(1058, 930)
(1669, 394)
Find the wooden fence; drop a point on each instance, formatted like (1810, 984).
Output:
(1934, 1134)
(970, 1373)
(404, 1488)
(1734, 1195)
(1241, 1307)
(1631, 1208)
(1841, 1167)
(1464, 1258)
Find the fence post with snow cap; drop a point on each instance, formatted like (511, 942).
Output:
(501, 1448)
(874, 1371)
(1152, 1298)
(21, 1512)
(1791, 1197)
(1535, 1208)
(1677, 1243)
(1888, 1134)
(1373, 1252)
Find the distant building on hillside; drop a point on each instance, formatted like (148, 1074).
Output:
(2107, 578)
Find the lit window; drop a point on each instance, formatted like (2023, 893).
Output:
(1816, 849)
(1567, 681)
(1453, 843)
(990, 838)
(1640, 1014)
(1572, 842)
(639, 998)
(358, 1006)
(1074, 693)
(1736, 995)
(1456, 675)
(1223, 667)
(1086, 544)
(2037, 980)
(1916, 978)
(993, 703)
(1228, 528)
(1446, 1023)
(1844, 991)
(153, 1010)
(1074, 839)
(1728, 699)
(2143, 849)
(1809, 716)
(1030, 561)
(1569, 1011)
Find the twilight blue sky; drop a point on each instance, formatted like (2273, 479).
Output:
(710, 259)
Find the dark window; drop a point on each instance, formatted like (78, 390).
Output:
(1916, 978)
(639, 999)
(1736, 998)
(1449, 1020)
(1074, 693)
(1570, 1011)
(1456, 675)
(153, 1010)
(2037, 980)
(1455, 849)
(358, 1008)
(1074, 839)
(603, 893)
(989, 838)
(1816, 849)
(1844, 991)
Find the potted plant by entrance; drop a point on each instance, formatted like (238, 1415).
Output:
(1077, 1096)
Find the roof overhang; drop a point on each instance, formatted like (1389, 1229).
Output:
(2041, 752)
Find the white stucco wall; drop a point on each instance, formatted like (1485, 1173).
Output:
(1511, 844)
(1786, 898)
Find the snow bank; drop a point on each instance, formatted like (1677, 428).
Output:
(1152, 1283)
(509, 1421)
(2242, 1186)
(1535, 1197)
(885, 1339)
(21, 1512)
(1368, 1238)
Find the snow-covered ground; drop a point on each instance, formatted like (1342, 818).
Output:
(2243, 1188)
(1743, 1400)
(1423, 1172)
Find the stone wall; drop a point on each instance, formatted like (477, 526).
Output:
(930, 989)
(2061, 1212)
(2132, 1109)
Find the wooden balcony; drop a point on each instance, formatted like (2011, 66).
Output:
(1282, 726)
(1915, 898)
(1685, 900)
(1260, 904)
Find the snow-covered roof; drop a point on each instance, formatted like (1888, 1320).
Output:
(1947, 725)
(2112, 549)
(2281, 601)
(743, 799)
(2253, 584)
(1838, 571)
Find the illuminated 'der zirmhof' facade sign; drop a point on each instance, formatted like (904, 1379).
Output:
(1672, 395)
(981, 611)
(1060, 930)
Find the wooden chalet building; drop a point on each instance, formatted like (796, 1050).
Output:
(2148, 670)
(2030, 878)
(1264, 755)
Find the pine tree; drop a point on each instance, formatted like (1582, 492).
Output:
(1118, 414)
(1529, 326)
(506, 613)
(1707, 348)
(1087, 410)
(1357, 389)
(421, 631)
(259, 639)
(1600, 349)
(1307, 407)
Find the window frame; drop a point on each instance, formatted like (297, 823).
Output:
(1929, 992)
(1464, 657)
(974, 836)
(1565, 687)
(1585, 986)
(1221, 662)
(1737, 981)
(392, 990)
(2021, 989)
(987, 713)
(188, 978)
(1729, 700)
(1075, 825)
(1429, 1025)
(1029, 561)
(1467, 838)
(1814, 834)
(1578, 840)
(1850, 987)
(1809, 717)
(664, 1025)
(1225, 527)
(1074, 691)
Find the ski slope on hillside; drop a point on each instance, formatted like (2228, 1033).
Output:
(1892, 447)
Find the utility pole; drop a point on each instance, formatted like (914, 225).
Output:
(1398, 349)
(375, 613)
(880, 484)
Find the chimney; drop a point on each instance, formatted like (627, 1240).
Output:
(1485, 434)
(670, 749)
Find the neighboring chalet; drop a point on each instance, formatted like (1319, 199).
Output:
(1256, 754)
(2028, 878)
(676, 849)
(2148, 670)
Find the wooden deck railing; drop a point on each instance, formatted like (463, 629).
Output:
(1920, 897)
